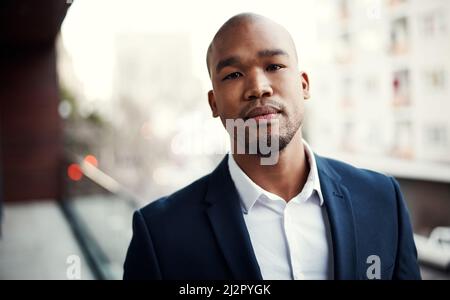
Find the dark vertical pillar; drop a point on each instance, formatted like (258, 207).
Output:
(30, 128)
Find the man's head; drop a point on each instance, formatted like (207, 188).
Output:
(253, 66)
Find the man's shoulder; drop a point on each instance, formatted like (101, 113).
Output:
(182, 200)
(367, 189)
(355, 175)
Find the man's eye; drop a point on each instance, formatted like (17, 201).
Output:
(274, 67)
(233, 75)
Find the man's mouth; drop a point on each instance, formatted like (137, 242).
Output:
(262, 113)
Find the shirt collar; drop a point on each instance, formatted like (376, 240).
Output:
(250, 192)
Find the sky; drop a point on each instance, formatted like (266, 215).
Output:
(90, 27)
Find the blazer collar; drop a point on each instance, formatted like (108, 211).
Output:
(227, 221)
(342, 222)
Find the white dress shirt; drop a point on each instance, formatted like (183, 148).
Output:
(291, 240)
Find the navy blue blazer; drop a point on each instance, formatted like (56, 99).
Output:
(199, 231)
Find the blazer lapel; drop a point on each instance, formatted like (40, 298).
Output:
(340, 212)
(227, 221)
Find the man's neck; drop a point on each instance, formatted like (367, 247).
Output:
(287, 177)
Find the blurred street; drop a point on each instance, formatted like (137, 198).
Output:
(36, 242)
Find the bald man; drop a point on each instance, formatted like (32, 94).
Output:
(301, 216)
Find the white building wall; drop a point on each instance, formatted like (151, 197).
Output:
(359, 110)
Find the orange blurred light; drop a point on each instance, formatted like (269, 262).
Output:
(74, 172)
(91, 159)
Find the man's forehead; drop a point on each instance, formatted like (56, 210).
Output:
(251, 43)
(243, 54)
(247, 37)
(248, 33)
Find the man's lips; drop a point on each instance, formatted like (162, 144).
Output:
(262, 112)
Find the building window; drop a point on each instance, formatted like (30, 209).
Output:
(399, 36)
(437, 136)
(401, 88)
(403, 140)
(343, 50)
(343, 7)
(346, 92)
(371, 86)
(434, 24)
(373, 136)
(348, 137)
(435, 80)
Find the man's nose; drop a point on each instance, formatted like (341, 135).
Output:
(258, 86)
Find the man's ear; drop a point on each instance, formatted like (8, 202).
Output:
(305, 85)
(212, 103)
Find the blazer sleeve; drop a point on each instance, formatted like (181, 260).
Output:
(406, 265)
(141, 261)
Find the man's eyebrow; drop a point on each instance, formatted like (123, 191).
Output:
(229, 61)
(272, 52)
(234, 60)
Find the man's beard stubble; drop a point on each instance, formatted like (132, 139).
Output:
(284, 139)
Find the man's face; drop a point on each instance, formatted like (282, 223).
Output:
(254, 74)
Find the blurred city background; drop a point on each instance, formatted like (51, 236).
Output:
(103, 108)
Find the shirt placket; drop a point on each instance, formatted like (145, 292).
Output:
(292, 243)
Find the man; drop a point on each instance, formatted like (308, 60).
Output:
(303, 217)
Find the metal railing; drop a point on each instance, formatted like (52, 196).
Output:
(95, 255)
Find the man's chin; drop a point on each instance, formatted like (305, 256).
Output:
(265, 147)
